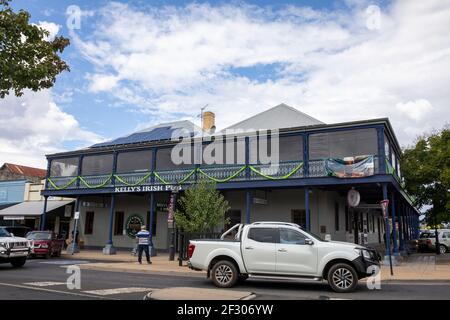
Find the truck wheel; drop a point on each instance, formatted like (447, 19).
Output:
(18, 262)
(442, 249)
(342, 278)
(224, 274)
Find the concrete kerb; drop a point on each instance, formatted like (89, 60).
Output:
(187, 293)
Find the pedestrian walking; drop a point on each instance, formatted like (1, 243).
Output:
(143, 239)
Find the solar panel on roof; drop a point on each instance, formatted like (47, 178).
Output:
(160, 133)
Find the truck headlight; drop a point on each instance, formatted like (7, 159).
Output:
(2, 244)
(363, 252)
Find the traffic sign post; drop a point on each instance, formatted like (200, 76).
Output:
(73, 247)
(384, 208)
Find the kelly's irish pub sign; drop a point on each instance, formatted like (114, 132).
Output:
(158, 188)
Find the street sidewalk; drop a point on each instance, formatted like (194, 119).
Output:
(124, 261)
(417, 267)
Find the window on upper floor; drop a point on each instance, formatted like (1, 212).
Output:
(341, 144)
(67, 167)
(136, 161)
(387, 147)
(97, 165)
(265, 150)
(182, 158)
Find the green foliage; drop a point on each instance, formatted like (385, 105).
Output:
(202, 208)
(426, 169)
(27, 59)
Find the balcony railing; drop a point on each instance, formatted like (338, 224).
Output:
(219, 174)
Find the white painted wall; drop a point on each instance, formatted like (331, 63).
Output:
(129, 205)
(279, 205)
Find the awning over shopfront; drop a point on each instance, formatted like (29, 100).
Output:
(32, 208)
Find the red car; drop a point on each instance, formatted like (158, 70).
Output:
(46, 244)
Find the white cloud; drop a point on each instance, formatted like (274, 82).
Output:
(328, 63)
(416, 110)
(33, 125)
(51, 27)
(102, 82)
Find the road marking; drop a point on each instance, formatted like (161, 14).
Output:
(107, 292)
(55, 291)
(44, 283)
(421, 283)
(65, 262)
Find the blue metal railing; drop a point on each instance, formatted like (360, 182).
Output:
(218, 173)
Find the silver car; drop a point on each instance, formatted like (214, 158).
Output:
(427, 240)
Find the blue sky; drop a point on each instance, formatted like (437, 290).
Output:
(137, 63)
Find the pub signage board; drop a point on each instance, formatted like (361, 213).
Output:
(158, 188)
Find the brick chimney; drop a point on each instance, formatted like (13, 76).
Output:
(208, 121)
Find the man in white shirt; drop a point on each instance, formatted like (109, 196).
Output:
(143, 238)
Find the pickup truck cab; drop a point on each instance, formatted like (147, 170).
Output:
(46, 244)
(283, 251)
(13, 249)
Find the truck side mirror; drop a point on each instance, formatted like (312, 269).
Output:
(309, 242)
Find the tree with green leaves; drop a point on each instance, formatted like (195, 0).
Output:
(426, 170)
(202, 208)
(28, 60)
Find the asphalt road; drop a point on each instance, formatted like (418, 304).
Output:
(46, 279)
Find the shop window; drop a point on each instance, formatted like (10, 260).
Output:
(233, 217)
(138, 161)
(118, 223)
(341, 144)
(67, 167)
(89, 223)
(97, 165)
(299, 217)
(336, 216)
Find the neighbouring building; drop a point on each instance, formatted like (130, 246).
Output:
(324, 169)
(10, 171)
(21, 204)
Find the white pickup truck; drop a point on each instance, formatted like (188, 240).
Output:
(14, 250)
(283, 251)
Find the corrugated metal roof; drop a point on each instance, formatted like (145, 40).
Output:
(24, 170)
(164, 131)
(278, 117)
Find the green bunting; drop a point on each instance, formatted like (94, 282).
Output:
(157, 176)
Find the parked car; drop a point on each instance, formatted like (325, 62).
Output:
(14, 250)
(19, 231)
(46, 243)
(282, 251)
(427, 240)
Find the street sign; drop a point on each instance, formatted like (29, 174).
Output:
(170, 209)
(384, 204)
(77, 215)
